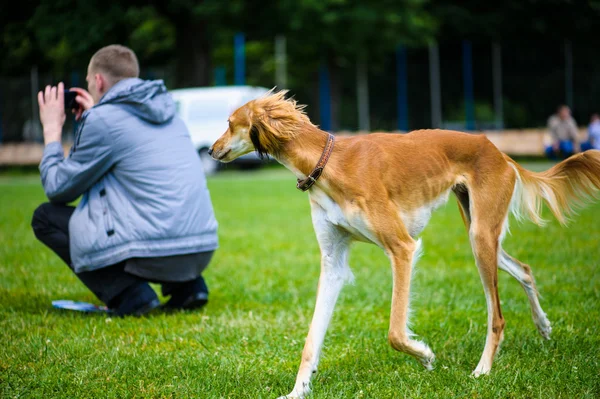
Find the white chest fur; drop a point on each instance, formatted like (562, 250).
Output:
(351, 220)
(416, 219)
(354, 221)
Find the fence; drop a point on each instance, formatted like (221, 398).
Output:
(459, 85)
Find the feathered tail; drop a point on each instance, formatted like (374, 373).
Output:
(565, 187)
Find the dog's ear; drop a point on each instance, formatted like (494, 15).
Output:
(255, 137)
(256, 126)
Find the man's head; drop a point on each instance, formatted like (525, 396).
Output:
(564, 112)
(595, 117)
(109, 65)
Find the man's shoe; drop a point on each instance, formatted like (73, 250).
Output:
(137, 300)
(147, 308)
(195, 301)
(187, 295)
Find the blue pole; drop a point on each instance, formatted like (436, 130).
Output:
(74, 79)
(468, 85)
(220, 79)
(324, 98)
(239, 59)
(401, 89)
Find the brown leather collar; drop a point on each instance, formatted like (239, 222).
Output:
(318, 170)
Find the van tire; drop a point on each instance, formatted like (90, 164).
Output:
(209, 165)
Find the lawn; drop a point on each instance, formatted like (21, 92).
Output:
(247, 342)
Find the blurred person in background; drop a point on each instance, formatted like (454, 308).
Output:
(563, 130)
(145, 214)
(593, 134)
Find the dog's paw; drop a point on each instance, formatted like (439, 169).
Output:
(544, 327)
(292, 395)
(298, 393)
(428, 360)
(481, 370)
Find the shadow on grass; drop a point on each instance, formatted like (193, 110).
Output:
(34, 303)
(40, 304)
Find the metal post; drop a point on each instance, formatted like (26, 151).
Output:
(1, 115)
(324, 98)
(35, 88)
(362, 94)
(75, 78)
(401, 89)
(280, 62)
(569, 73)
(468, 85)
(239, 59)
(497, 79)
(434, 86)
(35, 111)
(220, 79)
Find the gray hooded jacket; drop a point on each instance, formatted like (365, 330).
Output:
(144, 190)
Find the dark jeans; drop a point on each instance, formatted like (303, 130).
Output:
(565, 150)
(50, 224)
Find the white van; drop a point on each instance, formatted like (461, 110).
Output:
(205, 111)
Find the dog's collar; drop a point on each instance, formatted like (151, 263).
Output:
(318, 170)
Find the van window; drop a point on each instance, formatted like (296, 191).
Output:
(210, 109)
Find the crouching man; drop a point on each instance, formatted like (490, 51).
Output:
(145, 213)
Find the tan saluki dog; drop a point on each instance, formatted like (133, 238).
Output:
(382, 189)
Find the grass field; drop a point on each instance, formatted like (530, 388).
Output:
(247, 342)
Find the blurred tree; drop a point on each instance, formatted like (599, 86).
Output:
(152, 36)
(532, 35)
(516, 20)
(18, 48)
(197, 25)
(61, 35)
(340, 32)
(68, 32)
(57, 35)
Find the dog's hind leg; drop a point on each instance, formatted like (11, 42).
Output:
(334, 244)
(484, 241)
(489, 192)
(522, 273)
(485, 224)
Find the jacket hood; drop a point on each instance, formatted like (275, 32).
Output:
(147, 99)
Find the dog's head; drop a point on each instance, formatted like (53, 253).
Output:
(262, 125)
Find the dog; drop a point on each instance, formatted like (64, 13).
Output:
(382, 188)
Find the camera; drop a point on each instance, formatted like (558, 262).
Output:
(70, 102)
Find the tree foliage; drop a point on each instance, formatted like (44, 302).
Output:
(188, 39)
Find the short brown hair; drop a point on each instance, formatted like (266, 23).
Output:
(116, 61)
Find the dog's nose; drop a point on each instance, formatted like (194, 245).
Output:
(210, 151)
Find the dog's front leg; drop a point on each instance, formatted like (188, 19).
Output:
(334, 244)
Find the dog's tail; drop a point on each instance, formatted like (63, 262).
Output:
(565, 187)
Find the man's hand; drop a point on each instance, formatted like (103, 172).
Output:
(84, 99)
(52, 112)
(555, 146)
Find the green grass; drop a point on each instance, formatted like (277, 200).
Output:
(247, 342)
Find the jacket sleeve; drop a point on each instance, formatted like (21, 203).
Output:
(65, 179)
